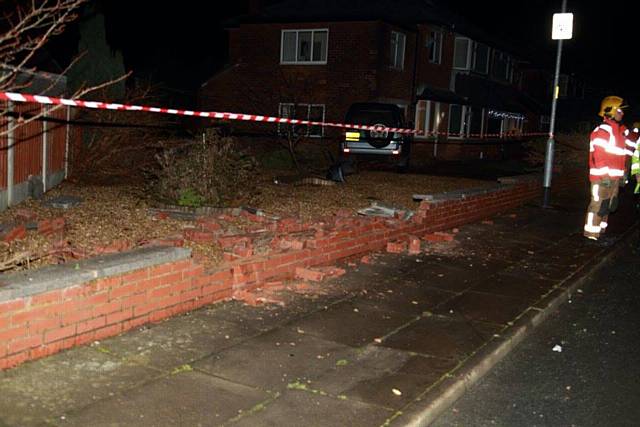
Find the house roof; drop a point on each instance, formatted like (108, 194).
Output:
(405, 13)
(400, 12)
(441, 95)
(483, 92)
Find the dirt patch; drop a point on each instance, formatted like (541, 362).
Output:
(119, 218)
(313, 201)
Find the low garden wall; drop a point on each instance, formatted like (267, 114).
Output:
(47, 310)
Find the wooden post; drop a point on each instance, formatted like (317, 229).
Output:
(11, 140)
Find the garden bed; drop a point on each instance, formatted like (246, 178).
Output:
(120, 218)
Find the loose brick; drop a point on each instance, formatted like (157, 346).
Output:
(198, 236)
(396, 247)
(25, 215)
(308, 274)
(414, 245)
(13, 232)
(208, 224)
(243, 250)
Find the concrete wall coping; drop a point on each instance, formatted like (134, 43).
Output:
(40, 280)
(502, 184)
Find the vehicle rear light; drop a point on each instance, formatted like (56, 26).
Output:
(345, 150)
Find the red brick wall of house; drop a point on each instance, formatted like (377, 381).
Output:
(437, 75)
(357, 70)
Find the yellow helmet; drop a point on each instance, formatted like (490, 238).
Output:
(609, 106)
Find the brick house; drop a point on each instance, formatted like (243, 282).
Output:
(313, 59)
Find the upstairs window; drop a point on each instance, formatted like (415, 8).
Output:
(462, 54)
(304, 46)
(481, 58)
(398, 41)
(502, 66)
(434, 47)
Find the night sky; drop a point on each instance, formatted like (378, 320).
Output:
(183, 43)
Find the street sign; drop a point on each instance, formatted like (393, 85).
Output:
(562, 26)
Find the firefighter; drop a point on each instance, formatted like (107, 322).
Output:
(635, 159)
(609, 149)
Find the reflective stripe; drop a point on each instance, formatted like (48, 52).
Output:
(630, 143)
(594, 192)
(599, 142)
(616, 151)
(589, 226)
(606, 170)
(599, 171)
(603, 225)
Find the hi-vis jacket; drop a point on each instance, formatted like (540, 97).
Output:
(609, 148)
(635, 159)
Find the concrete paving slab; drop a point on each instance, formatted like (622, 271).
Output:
(484, 307)
(353, 323)
(180, 340)
(267, 317)
(275, 359)
(538, 270)
(442, 336)
(525, 287)
(392, 384)
(182, 399)
(296, 408)
(48, 388)
(409, 299)
(445, 273)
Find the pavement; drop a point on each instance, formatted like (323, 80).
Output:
(393, 342)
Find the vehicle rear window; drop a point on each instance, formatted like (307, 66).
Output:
(372, 117)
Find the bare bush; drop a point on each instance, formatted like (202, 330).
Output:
(212, 171)
(119, 146)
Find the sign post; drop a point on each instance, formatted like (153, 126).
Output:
(562, 30)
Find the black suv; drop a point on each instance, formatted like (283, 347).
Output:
(375, 143)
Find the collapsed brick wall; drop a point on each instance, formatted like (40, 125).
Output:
(48, 322)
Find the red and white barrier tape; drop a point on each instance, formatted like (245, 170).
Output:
(39, 99)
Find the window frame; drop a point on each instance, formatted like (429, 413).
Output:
(394, 49)
(434, 45)
(308, 107)
(463, 132)
(476, 45)
(467, 66)
(301, 30)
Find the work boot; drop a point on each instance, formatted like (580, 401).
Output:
(591, 236)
